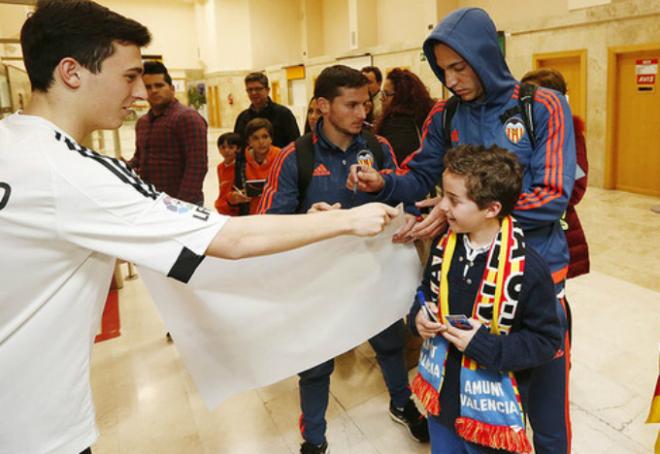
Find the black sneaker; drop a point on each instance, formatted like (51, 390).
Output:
(309, 448)
(412, 419)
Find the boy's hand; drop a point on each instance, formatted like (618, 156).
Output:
(425, 327)
(236, 197)
(433, 224)
(323, 206)
(367, 179)
(403, 234)
(461, 337)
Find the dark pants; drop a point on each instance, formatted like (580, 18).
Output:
(87, 451)
(548, 405)
(445, 441)
(315, 382)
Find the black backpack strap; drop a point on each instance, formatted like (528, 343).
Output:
(526, 99)
(239, 179)
(375, 148)
(447, 115)
(525, 108)
(305, 160)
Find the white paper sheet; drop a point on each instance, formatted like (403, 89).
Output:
(245, 324)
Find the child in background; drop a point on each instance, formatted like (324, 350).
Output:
(473, 373)
(228, 145)
(253, 165)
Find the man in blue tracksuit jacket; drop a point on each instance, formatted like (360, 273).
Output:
(463, 53)
(341, 93)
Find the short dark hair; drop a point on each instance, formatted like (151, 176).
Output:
(335, 77)
(256, 124)
(546, 77)
(80, 29)
(156, 67)
(375, 70)
(491, 174)
(229, 138)
(257, 77)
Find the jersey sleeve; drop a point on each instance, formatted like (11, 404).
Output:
(548, 181)
(391, 167)
(280, 195)
(421, 171)
(103, 206)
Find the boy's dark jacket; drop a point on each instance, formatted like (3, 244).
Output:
(549, 170)
(535, 335)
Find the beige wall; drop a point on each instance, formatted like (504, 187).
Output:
(312, 34)
(276, 32)
(402, 21)
(335, 27)
(172, 25)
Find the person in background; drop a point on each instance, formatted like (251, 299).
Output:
(229, 144)
(313, 115)
(285, 127)
(375, 77)
(578, 248)
(252, 166)
(170, 140)
(406, 103)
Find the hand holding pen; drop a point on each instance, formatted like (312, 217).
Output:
(426, 320)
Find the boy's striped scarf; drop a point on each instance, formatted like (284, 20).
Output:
(491, 412)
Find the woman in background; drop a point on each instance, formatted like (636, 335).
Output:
(406, 103)
(313, 115)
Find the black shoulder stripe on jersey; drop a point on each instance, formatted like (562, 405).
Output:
(117, 167)
(185, 265)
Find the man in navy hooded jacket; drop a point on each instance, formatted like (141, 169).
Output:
(464, 54)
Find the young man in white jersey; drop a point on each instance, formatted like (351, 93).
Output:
(66, 212)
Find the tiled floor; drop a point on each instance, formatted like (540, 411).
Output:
(146, 402)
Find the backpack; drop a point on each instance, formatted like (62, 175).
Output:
(525, 107)
(305, 159)
(239, 179)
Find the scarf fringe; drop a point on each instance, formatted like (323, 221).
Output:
(426, 394)
(498, 437)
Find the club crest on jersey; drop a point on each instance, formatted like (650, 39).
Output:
(365, 158)
(514, 129)
(177, 206)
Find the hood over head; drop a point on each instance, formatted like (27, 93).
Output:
(471, 33)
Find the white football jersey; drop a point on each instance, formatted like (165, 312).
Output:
(66, 213)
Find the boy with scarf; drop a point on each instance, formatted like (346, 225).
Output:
(473, 379)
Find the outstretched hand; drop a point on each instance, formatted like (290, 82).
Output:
(433, 224)
(371, 219)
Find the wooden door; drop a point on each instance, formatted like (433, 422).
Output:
(635, 118)
(211, 105)
(275, 91)
(572, 65)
